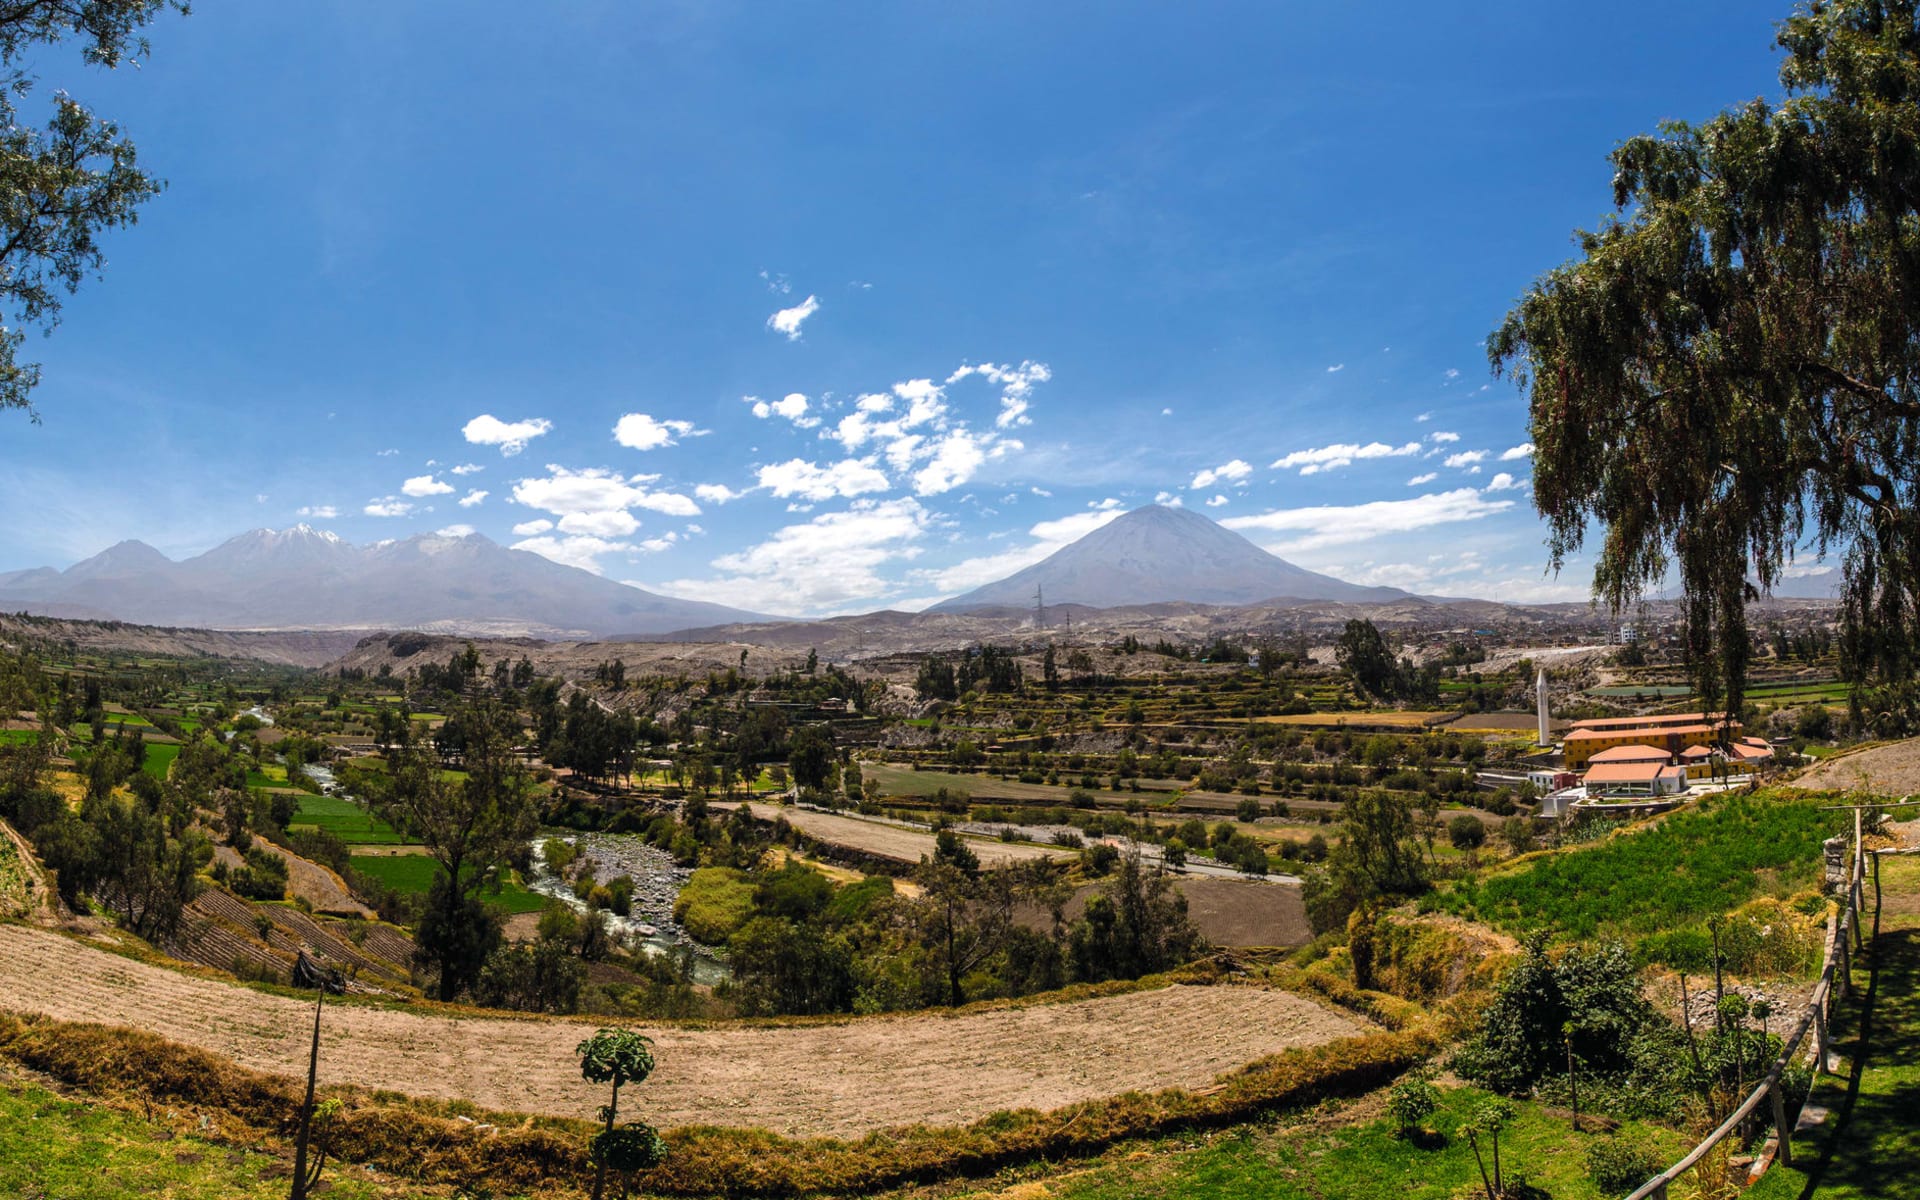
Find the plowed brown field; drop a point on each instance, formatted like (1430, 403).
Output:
(839, 1079)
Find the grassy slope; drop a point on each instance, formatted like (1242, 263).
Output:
(1870, 1146)
(1358, 1162)
(51, 1146)
(1698, 862)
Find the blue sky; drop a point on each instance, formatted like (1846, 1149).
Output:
(813, 308)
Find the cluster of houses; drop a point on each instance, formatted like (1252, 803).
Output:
(1659, 755)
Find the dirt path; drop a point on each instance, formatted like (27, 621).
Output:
(838, 1080)
(892, 841)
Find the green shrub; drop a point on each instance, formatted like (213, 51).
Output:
(715, 902)
(1411, 1103)
(1466, 832)
(1621, 1163)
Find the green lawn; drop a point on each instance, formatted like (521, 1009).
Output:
(345, 820)
(413, 873)
(1363, 1162)
(268, 776)
(14, 737)
(1870, 1145)
(54, 1147)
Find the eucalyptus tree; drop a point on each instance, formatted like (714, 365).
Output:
(64, 183)
(1728, 376)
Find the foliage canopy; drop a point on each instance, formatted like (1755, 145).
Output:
(1730, 372)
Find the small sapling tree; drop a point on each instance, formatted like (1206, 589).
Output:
(619, 1057)
(1488, 1120)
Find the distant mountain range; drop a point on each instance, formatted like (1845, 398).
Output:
(1156, 555)
(302, 578)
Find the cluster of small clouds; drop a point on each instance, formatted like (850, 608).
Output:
(1235, 471)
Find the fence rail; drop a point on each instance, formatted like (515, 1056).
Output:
(1844, 937)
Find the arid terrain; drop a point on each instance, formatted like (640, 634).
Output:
(832, 1079)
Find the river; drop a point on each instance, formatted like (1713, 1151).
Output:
(656, 885)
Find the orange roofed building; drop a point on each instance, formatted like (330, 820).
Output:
(1672, 734)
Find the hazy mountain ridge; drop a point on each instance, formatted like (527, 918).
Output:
(303, 578)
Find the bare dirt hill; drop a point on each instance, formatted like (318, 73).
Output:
(1892, 770)
(840, 1079)
(292, 648)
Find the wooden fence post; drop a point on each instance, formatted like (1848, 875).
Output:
(1782, 1131)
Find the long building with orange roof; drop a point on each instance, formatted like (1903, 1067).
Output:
(1673, 733)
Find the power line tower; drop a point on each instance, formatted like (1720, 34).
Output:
(1039, 608)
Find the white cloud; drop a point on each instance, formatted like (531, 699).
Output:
(596, 490)
(1170, 499)
(1453, 373)
(388, 506)
(655, 545)
(1340, 454)
(1226, 472)
(473, 497)
(1417, 480)
(638, 431)
(797, 477)
(1336, 368)
(1424, 417)
(1041, 492)
(1465, 458)
(580, 551)
(611, 524)
(789, 320)
(325, 512)
(511, 436)
(454, 531)
(385, 453)
(425, 485)
(468, 469)
(830, 563)
(1333, 525)
(955, 459)
(1523, 450)
(1216, 501)
(793, 406)
(1503, 482)
(1442, 438)
(530, 528)
(716, 493)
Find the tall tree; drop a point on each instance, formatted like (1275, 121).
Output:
(1730, 372)
(64, 184)
(1364, 655)
(470, 826)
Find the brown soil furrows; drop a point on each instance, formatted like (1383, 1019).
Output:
(841, 1079)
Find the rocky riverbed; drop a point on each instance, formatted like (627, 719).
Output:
(656, 885)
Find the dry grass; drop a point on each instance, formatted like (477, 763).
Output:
(433, 1144)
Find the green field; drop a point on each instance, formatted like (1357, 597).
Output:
(1360, 1162)
(413, 873)
(1689, 866)
(159, 760)
(51, 1146)
(269, 776)
(345, 820)
(14, 737)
